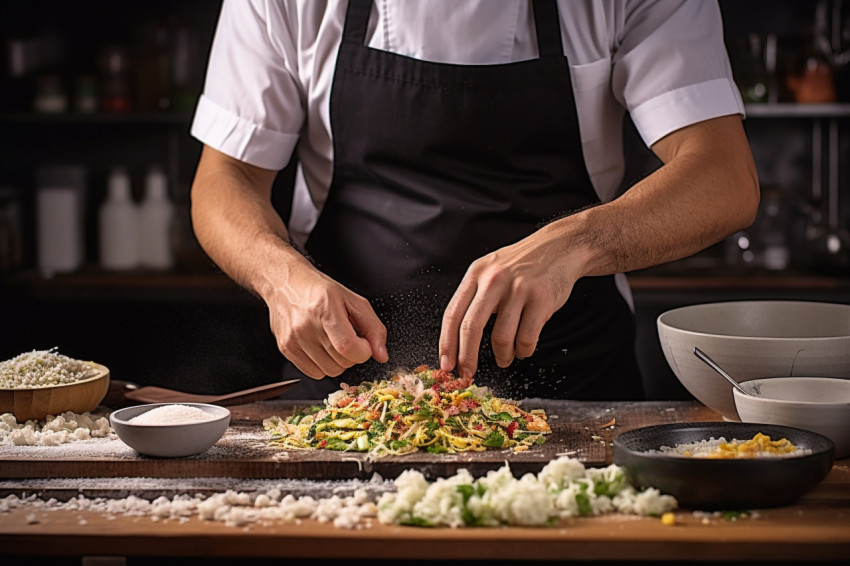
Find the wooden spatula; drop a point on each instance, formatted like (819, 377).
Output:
(123, 391)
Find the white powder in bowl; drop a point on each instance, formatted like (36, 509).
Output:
(172, 415)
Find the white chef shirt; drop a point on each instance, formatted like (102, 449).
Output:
(271, 66)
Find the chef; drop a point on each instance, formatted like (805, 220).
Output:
(458, 163)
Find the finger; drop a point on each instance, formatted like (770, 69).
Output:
(538, 309)
(320, 356)
(344, 345)
(452, 319)
(367, 325)
(471, 331)
(305, 365)
(503, 337)
(528, 334)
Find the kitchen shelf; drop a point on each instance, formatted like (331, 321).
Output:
(756, 281)
(116, 118)
(794, 110)
(91, 283)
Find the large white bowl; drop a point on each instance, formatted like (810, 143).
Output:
(170, 440)
(754, 340)
(817, 404)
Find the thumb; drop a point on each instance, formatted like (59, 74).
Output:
(369, 327)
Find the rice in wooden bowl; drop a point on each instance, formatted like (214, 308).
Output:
(39, 383)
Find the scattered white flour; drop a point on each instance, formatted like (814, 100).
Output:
(563, 488)
(42, 368)
(54, 429)
(172, 415)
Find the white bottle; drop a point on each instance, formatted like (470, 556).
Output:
(156, 218)
(119, 224)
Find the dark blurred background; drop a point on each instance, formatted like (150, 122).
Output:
(90, 86)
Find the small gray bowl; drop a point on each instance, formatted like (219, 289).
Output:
(170, 440)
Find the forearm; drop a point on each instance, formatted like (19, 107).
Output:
(235, 223)
(706, 190)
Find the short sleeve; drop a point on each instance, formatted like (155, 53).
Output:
(251, 107)
(671, 68)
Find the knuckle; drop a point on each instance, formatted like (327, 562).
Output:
(335, 371)
(525, 345)
(469, 327)
(501, 342)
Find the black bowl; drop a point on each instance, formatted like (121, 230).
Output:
(723, 484)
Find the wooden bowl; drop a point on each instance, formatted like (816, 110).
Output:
(35, 403)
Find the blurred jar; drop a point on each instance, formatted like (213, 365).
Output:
(186, 73)
(85, 94)
(153, 68)
(739, 250)
(50, 95)
(60, 203)
(114, 66)
(118, 220)
(751, 72)
(813, 82)
(772, 226)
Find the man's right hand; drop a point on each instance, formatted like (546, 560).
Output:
(322, 327)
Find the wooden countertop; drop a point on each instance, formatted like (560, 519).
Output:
(815, 528)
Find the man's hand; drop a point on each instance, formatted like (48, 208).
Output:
(706, 190)
(523, 285)
(320, 326)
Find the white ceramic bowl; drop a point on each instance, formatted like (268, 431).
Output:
(817, 404)
(170, 439)
(754, 340)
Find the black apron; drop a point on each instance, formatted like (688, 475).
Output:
(436, 165)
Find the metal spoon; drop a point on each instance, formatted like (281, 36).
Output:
(704, 357)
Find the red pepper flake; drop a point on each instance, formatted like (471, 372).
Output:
(322, 443)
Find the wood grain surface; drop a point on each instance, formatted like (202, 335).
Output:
(814, 529)
(581, 430)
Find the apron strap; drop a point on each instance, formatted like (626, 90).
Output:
(356, 21)
(548, 25)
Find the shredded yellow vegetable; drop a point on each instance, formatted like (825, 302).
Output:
(424, 408)
(759, 445)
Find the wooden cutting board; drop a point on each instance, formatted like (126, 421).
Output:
(582, 430)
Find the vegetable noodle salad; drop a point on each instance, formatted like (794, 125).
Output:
(426, 408)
